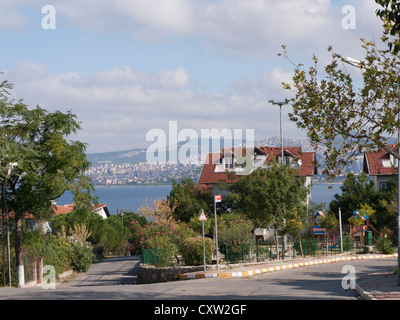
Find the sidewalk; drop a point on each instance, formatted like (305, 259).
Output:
(371, 287)
(378, 286)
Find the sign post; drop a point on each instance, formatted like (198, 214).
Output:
(217, 198)
(202, 219)
(340, 226)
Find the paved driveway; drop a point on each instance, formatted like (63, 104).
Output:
(109, 272)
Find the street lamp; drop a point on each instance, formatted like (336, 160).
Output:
(280, 104)
(352, 62)
(356, 63)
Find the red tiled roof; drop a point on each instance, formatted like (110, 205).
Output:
(373, 162)
(208, 176)
(60, 209)
(67, 208)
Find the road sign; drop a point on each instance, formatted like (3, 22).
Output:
(218, 198)
(202, 216)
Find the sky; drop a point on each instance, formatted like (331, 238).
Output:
(127, 67)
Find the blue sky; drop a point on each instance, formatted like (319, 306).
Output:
(126, 67)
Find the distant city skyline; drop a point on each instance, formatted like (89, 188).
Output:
(126, 67)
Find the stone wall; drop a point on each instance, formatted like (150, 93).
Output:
(150, 274)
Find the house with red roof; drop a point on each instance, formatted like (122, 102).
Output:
(31, 223)
(100, 209)
(381, 166)
(230, 159)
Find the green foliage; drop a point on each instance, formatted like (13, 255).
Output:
(390, 15)
(106, 235)
(384, 245)
(189, 199)
(157, 236)
(192, 250)
(234, 234)
(64, 252)
(46, 162)
(58, 253)
(344, 119)
(329, 221)
(196, 224)
(356, 191)
(269, 201)
(233, 227)
(82, 255)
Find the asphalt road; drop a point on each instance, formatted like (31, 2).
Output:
(114, 279)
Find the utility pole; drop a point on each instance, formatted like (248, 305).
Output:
(340, 230)
(2, 236)
(280, 104)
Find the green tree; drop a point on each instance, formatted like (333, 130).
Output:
(347, 120)
(188, 199)
(355, 191)
(390, 14)
(270, 197)
(48, 163)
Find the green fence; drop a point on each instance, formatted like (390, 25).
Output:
(159, 257)
(251, 251)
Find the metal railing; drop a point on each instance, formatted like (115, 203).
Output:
(159, 257)
(251, 251)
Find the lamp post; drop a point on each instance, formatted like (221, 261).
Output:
(280, 104)
(356, 63)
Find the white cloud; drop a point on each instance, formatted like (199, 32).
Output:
(254, 28)
(10, 17)
(117, 107)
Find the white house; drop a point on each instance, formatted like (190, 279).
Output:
(216, 164)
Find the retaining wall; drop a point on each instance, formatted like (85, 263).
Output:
(151, 274)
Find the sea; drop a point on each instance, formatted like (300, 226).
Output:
(131, 198)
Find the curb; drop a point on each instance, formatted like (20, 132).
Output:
(252, 272)
(363, 294)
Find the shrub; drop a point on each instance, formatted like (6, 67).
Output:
(234, 227)
(192, 250)
(58, 253)
(82, 256)
(384, 245)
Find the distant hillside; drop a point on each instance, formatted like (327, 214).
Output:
(133, 156)
(136, 156)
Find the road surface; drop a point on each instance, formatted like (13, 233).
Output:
(114, 279)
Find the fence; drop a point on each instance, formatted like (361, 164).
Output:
(251, 251)
(248, 251)
(159, 257)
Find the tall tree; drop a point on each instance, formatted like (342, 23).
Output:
(188, 199)
(340, 117)
(355, 191)
(46, 164)
(270, 196)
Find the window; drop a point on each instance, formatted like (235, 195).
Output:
(228, 162)
(286, 160)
